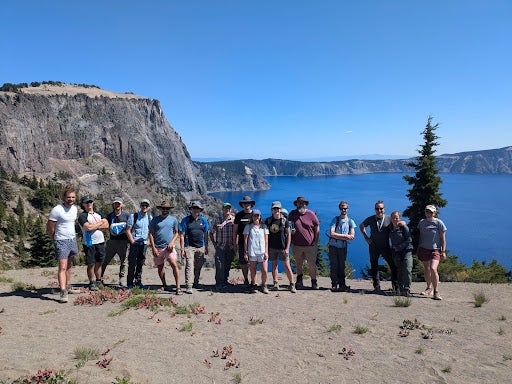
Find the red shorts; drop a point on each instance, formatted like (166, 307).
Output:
(429, 254)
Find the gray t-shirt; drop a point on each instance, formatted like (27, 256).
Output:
(430, 233)
(379, 230)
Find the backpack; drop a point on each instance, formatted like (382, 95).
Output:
(136, 217)
(328, 231)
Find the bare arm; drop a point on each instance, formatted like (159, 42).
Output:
(367, 238)
(50, 228)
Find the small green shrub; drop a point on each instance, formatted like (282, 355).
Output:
(420, 349)
(334, 328)
(446, 369)
(479, 299)
(401, 301)
(360, 329)
(187, 327)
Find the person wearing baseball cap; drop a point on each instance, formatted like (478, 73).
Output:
(243, 218)
(137, 230)
(431, 249)
(117, 244)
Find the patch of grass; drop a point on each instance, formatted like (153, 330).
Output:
(47, 376)
(501, 331)
(334, 328)
(121, 380)
(19, 286)
(5, 279)
(446, 369)
(507, 356)
(187, 327)
(479, 299)
(420, 350)
(502, 318)
(181, 310)
(401, 301)
(254, 320)
(360, 329)
(116, 313)
(237, 378)
(48, 311)
(345, 300)
(86, 353)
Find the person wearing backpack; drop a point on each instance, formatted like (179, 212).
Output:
(194, 244)
(117, 244)
(137, 230)
(340, 233)
(279, 238)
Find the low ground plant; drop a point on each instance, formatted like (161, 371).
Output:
(479, 299)
(360, 329)
(401, 301)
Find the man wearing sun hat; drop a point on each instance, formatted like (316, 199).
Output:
(163, 233)
(137, 229)
(194, 244)
(243, 218)
(305, 236)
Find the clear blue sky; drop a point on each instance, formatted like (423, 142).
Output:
(283, 78)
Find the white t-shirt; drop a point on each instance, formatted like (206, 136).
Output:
(65, 221)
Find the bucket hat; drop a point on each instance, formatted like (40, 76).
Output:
(247, 199)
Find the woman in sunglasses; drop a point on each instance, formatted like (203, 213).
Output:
(432, 249)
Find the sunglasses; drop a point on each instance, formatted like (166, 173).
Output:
(144, 205)
(379, 209)
(427, 211)
(343, 208)
(165, 209)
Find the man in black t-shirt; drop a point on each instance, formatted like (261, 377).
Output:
(243, 218)
(118, 241)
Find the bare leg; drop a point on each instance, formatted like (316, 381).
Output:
(264, 272)
(161, 274)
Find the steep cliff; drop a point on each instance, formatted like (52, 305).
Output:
(103, 139)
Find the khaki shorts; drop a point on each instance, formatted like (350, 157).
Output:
(164, 254)
(301, 253)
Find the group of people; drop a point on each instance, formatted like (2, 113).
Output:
(246, 235)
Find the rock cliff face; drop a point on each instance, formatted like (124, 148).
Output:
(87, 133)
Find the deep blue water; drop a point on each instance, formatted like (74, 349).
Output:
(477, 217)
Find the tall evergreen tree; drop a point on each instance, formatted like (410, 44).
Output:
(41, 252)
(426, 181)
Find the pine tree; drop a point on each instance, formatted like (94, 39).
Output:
(41, 252)
(426, 181)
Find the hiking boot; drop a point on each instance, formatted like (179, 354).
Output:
(141, 286)
(275, 287)
(344, 288)
(292, 288)
(122, 284)
(99, 283)
(188, 290)
(254, 288)
(63, 296)
(299, 284)
(436, 296)
(195, 285)
(376, 285)
(334, 288)
(314, 284)
(264, 289)
(92, 286)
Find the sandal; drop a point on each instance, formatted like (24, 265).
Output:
(179, 291)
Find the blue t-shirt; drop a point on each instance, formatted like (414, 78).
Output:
(140, 230)
(430, 233)
(163, 230)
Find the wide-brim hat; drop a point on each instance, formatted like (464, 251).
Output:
(301, 199)
(245, 200)
(195, 204)
(165, 204)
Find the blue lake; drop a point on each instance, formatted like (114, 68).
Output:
(476, 215)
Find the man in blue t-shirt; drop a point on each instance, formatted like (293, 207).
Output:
(163, 233)
(137, 230)
(194, 244)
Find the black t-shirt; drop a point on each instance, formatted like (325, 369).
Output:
(242, 219)
(276, 232)
(113, 219)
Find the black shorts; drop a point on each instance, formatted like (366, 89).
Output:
(94, 253)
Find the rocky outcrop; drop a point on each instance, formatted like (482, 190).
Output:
(69, 129)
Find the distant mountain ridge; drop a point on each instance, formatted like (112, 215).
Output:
(491, 161)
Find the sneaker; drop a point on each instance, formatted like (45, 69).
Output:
(63, 296)
(436, 296)
(344, 288)
(99, 283)
(122, 284)
(299, 284)
(167, 288)
(264, 289)
(93, 286)
(427, 292)
(334, 288)
(254, 288)
(219, 287)
(188, 290)
(314, 284)
(292, 288)
(142, 286)
(72, 290)
(275, 287)
(129, 286)
(195, 285)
